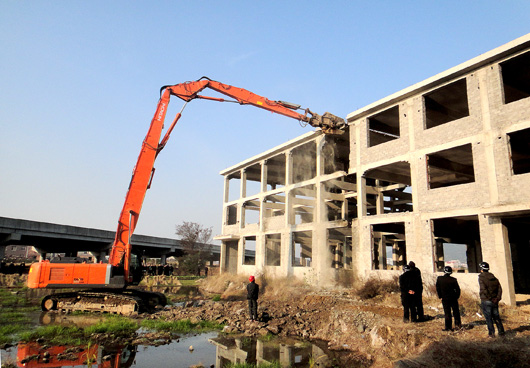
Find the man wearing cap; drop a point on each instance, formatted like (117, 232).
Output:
(490, 295)
(252, 297)
(406, 285)
(449, 291)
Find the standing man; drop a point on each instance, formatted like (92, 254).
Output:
(490, 295)
(406, 283)
(449, 291)
(418, 291)
(252, 296)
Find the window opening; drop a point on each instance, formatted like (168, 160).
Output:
(340, 247)
(446, 104)
(273, 249)
(389, 248)
(457, 243)
(231, 215)
(520, 151)
(383, 127)
(234, 186)
(388, 189)
(253, 182)
(251, 212)
(302, 249)
(516, 78)
(453, 166)
(249, 250)
(303, 200)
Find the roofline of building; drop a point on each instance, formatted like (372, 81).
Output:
(450, 74)
(273, 151)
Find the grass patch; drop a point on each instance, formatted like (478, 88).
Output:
(188, 282)
(68, 335)
(14, 307)
(56, 335)
(180, 326)
(216, 297)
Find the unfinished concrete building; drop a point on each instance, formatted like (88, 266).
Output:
(440, 167)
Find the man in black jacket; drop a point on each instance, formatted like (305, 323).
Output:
(449, 291)
(406, 285)
(252, 296)
(418, 291)
(490, 295)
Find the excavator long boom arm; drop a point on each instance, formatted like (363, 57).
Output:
(118, 271)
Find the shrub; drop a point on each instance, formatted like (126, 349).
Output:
(375, 286)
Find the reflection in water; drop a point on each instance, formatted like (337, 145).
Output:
(210, 349)
(289, 353)
(33, 355)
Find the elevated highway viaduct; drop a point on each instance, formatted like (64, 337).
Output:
(50, 238)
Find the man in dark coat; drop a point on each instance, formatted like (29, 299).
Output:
(406, 285)
(449, 291)
(490, 295)
(418, 291)
(252, 297)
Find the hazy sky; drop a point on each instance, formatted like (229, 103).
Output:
(79, 83)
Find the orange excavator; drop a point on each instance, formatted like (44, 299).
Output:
(120, 271)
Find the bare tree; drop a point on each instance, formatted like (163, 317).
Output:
(195, 239)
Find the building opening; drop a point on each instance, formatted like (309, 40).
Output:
(516, 78)
(249, 250)
(457, 243)
(302, 249)
(383, 127)
(520, 151)
(273, 249)
(340, 247)
(446, 104)
(389, 246)
(388, 189)
(452, 166)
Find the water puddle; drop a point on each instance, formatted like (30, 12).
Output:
(207, 350)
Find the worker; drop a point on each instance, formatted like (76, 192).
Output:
(449, 291)
(490, 296)
(417, 287)
(406, 283)
(252, 297)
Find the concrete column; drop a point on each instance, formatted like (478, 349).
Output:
(289, 168)
(226, 189)
(499, 256)
(222, 258)
(2, 251)
(286, 355)
(243, 188)
(380, 200)
(264, 173)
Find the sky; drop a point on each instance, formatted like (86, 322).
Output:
(80, 80)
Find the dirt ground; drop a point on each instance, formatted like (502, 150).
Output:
(370, 332)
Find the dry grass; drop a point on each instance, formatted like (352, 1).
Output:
(374, 287)
(451, 352)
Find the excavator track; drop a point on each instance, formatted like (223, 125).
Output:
(124, 302)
